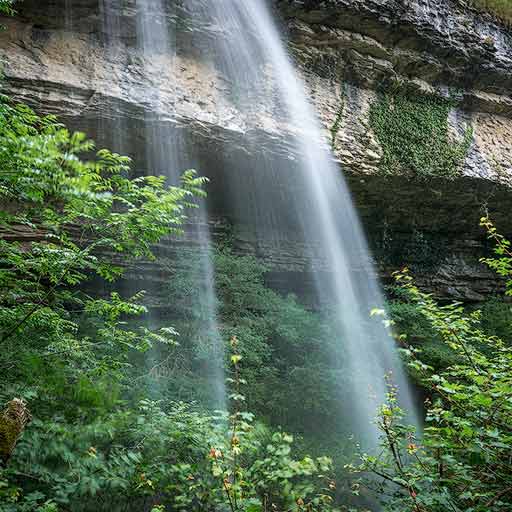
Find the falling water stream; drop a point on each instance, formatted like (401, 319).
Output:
(246, 49)
(167, 155)
(251, 54)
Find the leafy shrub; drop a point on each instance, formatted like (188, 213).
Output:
(462, 459)
(97, 442)
(154, 454)
(502, 261)
(6, 7)
(417, 331)
(62, 219)
(497, 319)
(292, 357)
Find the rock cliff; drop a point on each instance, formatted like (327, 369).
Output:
(79, 60)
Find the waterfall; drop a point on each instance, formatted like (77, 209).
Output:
(250, 54)
(297, 188)
(167, 155)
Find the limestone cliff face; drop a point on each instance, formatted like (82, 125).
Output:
(350, 51)
(438, 46)
(78, 59)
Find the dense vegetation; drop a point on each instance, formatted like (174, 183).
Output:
(413, 132)
(6, 6)
(288, 350)
(462, 459)
(97, 440)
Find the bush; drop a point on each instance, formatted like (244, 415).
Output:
(462, 459)
(293, 360)
(151, 455)
(497, 319)
(97, 441)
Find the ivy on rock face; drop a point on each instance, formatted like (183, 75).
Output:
(413, 133)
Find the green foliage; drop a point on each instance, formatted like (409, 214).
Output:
(292, 357)
(62, 219)
(157, 455)
(497, 319)
(97, 442)
(502, 262)
(462, 460)
(273, 480)
(6, 7)
(412, 326)
(495, 313)
(416, 330)
(413, 133)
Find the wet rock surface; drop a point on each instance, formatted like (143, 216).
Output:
(66, 62)
(442, 41)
